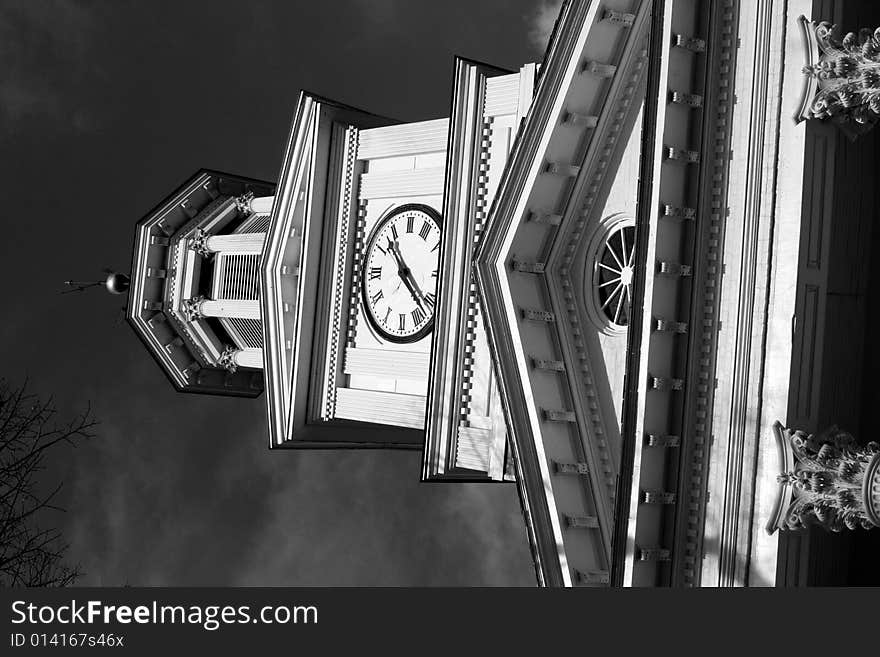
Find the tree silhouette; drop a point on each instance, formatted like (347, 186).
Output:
(30, 554)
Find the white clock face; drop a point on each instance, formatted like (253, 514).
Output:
(400, 273)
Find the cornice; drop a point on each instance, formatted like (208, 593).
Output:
(709, 231)
(758, 260)
(639, 525)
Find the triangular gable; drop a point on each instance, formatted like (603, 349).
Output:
(300, 271)
(281, 274)
(564, 156)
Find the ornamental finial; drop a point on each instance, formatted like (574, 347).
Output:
(115, 283)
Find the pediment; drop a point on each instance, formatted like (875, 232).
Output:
(555, 190)
(305, 279)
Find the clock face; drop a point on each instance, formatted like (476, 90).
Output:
(400, 273)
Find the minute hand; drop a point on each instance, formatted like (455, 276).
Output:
(406, 276)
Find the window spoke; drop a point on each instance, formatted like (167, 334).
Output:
(612, 288)
(612, 295)
(610, 249)
(619, 304)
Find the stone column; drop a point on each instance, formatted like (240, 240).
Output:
(199, 307)
(249, 309)
(248, 204)
(207, 245)
(232, 358)
(236, 243)
(249, 357)
(827, 480)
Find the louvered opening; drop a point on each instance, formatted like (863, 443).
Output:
(236, 276)
(257, 223)
(246, 333)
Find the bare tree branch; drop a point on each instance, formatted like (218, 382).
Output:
(29, 554)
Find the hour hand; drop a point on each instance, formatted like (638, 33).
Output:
(395, 251)
(394, 247)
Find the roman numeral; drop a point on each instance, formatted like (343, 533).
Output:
(384, 252)
(387, 315)
(375, 272)
(394, 230)
(418, 316)
(436, 246)
(426, 229)
(430, 299)
(375, 298)
(434, 274)
(409, 224)
(402, 318)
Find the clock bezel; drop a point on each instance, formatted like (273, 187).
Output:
(371, 240)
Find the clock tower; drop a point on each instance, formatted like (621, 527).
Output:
(344, 292)
(533, 287)
(356, 278)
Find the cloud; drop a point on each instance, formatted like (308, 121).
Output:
(45, 50)
(180, 490)
(542, 21)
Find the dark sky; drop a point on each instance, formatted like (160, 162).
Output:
(105, 107)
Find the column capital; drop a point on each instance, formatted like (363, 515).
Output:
(826, 479)
(243, 202)
(842, 79)
(199, 243)
(227, 358)
(192, 307)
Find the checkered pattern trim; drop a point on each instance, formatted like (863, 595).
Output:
(472, 310)
(356, 272)
(342, 237)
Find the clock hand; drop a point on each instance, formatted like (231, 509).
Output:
(414, 288)
(414, 291)
(398, 258)
(405, 274)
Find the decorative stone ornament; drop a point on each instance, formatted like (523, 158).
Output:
(192, 308)
(243, 202)
(826, 479)
(611, 258)
(199, 243)
(843, 77)
(227, 358)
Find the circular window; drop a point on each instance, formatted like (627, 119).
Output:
(611, 260)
